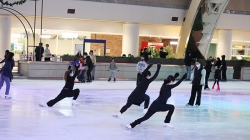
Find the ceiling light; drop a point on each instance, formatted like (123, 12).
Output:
(16, 35)
(173, 43)
(45, 36)
(69, 35)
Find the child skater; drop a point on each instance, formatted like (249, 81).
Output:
(6, 74)
(159, 105)
(138, 95)
(112, 68)
(67, 90)
(217, 78)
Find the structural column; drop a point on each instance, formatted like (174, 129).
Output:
(130, 39)
(224, 46)
(5, 34)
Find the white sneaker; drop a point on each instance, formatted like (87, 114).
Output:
(128, 127)
(7, 97)
(117, 115)
(145, 111)
(168, 125)
(43, 105)
(75, 103)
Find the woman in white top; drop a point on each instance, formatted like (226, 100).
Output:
(47, 53)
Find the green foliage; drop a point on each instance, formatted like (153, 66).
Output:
(17, 52)
(156, 53)
(20, 2)
(67, 55)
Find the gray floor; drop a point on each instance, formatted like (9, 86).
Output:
(223, 115)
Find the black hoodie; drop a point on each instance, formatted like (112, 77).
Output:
(88, 61)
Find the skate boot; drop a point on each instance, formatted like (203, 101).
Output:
(114, 79)
(168, 125)
(117, 115)
(197, 106)
(43, 105)
(7, 97)
(218, 88)
(128, 127)
(213, 87)
(109, 79)
(75, 103)
(188, 105)
(145, 111)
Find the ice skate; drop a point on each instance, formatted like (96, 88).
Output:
(128, 127)
(75, 103)
(218, 88)
(43, 105)
(7, 97)
(145, 111)
(213, 87)
(109, 79)
(197, 106)
(168, 125)
(114, 79)
(188, 105)
(117, 115)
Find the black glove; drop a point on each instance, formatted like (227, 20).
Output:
(158, 65)
(107, 70)
(176, 75)
(184, 76)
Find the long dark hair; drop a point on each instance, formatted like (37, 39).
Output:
(66, 73)
(9, 57)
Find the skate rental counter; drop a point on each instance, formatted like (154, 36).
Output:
(127, 71)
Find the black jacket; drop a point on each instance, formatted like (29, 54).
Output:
(208, 65)
(71, 80)
(39, 51)
(145, 54)
(217, 74)
(88, 61)
(137, 96)
(163, 54)
(188, 60)
(224, 64)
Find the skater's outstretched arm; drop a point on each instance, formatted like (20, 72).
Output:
(76, 69)
(156, 73)
(178, 83)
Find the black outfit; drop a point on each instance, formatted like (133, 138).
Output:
(145, 54)
(218, 63)
(224, 69)
(217, 76)
(159, 105)
(163, 54)
(67, 90)
(39, 53)
(208, 67)
(188, 60)
(138, 95)
(90, 67)
(196, 87)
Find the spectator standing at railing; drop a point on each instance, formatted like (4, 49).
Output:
(223, 69)
(39, 52)
(93, 58)
(47, 53)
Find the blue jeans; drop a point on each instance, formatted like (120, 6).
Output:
(81, 77)
(112, 74)
(7, 81)
(93, 72)
(188, 70)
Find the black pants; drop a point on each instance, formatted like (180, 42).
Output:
(38, 58)
(206, 79)
(167, 107)
(216, 81)
(224, 74)
(64, 93)
(47, 59)
(138, 79)
(195, 89)
(89, 74)
(146, 103)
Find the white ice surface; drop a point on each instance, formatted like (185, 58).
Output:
(222, 115)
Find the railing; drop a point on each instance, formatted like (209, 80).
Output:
(182, 5)
(237, 12)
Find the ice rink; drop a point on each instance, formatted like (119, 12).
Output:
(222, 115)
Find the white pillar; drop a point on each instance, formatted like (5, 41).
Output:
(130, 39)
(5, 34)
(224, 46)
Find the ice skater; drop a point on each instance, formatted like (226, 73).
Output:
(197, 80)
(217, 78)
(140, 67)
(6, 74)
(67, 91)
(112, 68)
(138, 95)
(159, 105)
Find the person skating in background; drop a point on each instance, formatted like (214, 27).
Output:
(217, 78)
(39, 52)
(198, 80)
(208, 67)
(67, 91)
(112, 68)
(218, 62)
(139, 94)
(162, 53)
(140, 67)
(5, 56)
(6, 74)
(88, 63)
(188, 62)
(12, 62)
(223, 69)
(160, 104)
(93, 58)
(145, 53)
(47, 53)
(82, 70)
